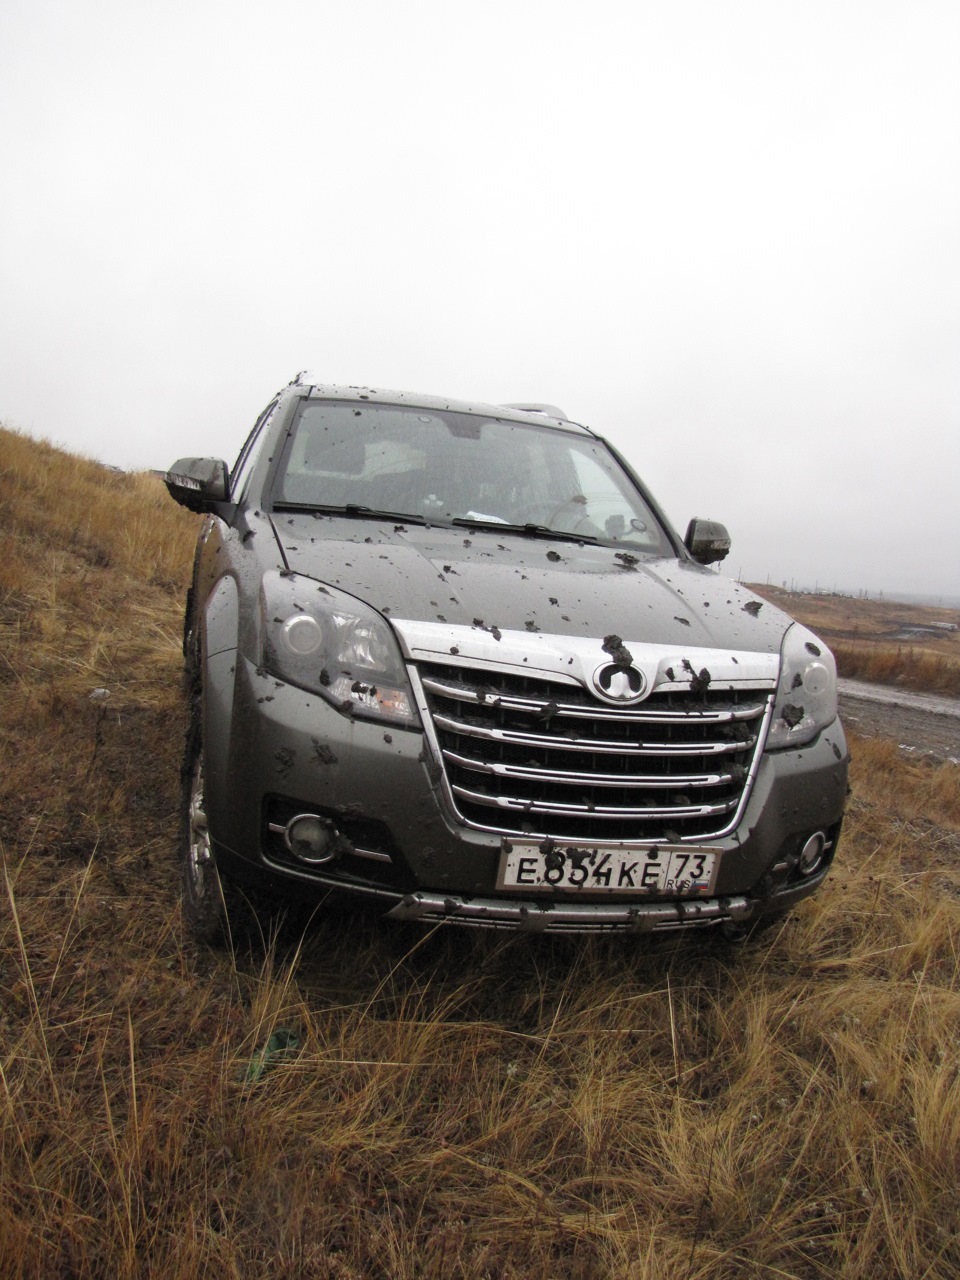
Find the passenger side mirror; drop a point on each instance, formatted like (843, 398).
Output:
(707, 540)
(199, 484)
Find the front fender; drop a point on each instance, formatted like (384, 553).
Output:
(221, 619)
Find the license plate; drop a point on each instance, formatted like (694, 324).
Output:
(672, 870)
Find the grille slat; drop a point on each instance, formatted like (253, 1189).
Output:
(603, 746)
(533, 774)
(525, 755)
(594, 811)
(596, 712)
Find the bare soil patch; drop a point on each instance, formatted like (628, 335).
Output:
(919, 723)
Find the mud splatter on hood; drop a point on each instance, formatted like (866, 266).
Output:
(473, 577)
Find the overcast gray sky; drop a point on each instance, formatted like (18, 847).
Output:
(724, 233)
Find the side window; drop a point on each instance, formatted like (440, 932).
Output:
(604, 504)
(240, 472)
(594, 480)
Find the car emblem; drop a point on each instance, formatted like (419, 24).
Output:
(615, 682)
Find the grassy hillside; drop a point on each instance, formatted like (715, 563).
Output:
(454, 1104)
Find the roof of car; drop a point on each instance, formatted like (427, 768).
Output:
(325, 391)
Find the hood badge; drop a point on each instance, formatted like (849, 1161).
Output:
(619, 683)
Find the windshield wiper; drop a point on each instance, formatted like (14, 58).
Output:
(352, 509)
(530, 530)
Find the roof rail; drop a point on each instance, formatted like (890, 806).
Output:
(550, 409)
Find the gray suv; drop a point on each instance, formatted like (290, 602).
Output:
(452, 659)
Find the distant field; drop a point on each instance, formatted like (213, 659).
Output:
(881, 640)
(454, 1104)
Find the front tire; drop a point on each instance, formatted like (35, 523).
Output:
(191, 645)
(203, 889)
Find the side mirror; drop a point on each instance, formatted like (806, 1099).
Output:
(707, 540)
(198, 484)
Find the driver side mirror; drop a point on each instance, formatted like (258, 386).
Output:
(199, 484)
(707, 540)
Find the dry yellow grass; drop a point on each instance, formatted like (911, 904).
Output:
(458, 1104)
(905, 665)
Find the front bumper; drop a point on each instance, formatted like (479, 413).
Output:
(272, 748)
(572, 917)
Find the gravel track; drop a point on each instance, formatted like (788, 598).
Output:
(925, 723)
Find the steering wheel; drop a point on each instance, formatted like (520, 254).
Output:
(578, 499)
(548, 520)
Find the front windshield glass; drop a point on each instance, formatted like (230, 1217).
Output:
(442, 466)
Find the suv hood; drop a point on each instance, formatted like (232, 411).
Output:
(483, 578)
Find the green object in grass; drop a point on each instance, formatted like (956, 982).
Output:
(281, 1044)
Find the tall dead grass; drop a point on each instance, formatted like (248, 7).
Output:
(904, 665)
(455, 1104)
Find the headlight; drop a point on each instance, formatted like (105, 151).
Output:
(330, 643)
(807, 693)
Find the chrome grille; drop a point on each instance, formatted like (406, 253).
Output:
(523, 756)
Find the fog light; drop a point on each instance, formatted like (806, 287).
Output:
(311, 838)
(811, 855)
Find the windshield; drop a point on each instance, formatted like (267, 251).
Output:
(443, 467)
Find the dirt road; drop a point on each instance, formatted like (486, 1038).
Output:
(922, 722)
